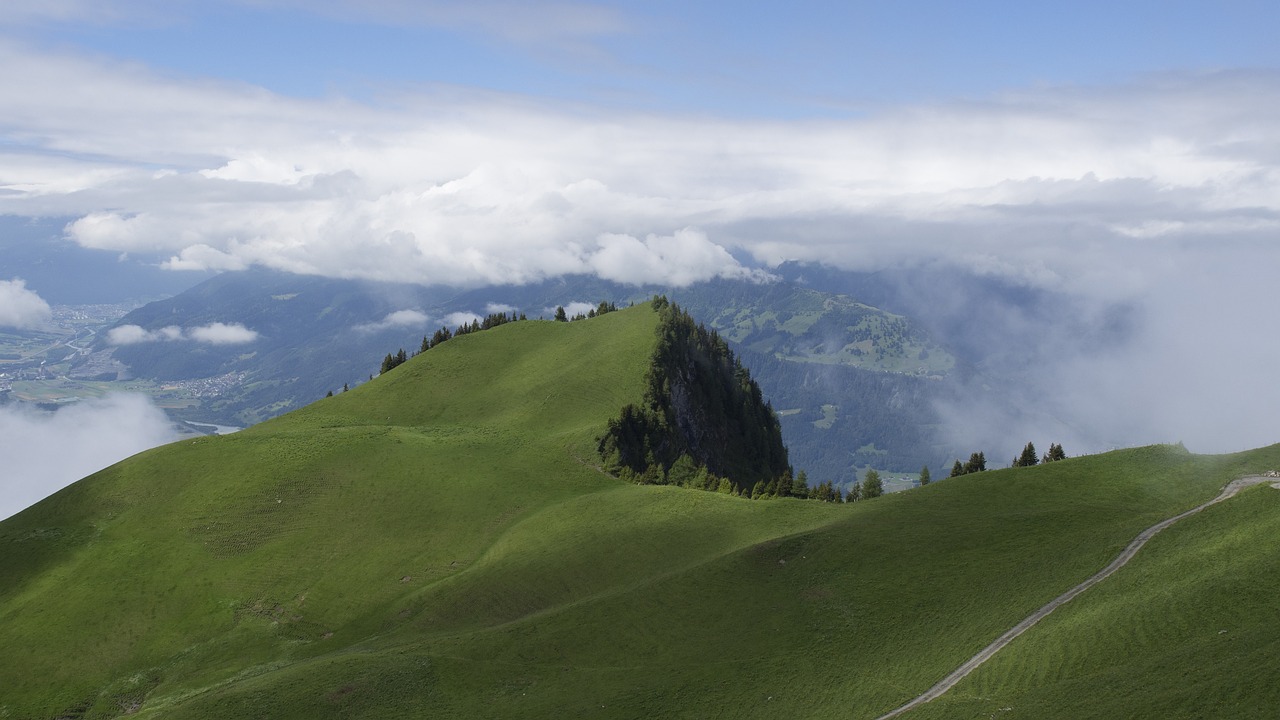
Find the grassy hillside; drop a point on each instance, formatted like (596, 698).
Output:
(438, 543)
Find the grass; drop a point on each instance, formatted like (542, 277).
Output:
(437, 542)
(1186, 630)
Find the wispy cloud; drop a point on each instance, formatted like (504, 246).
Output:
(397, 319)
(212, 334)
(462, 317)
(539, 22)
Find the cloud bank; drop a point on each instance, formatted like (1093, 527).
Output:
(1160, 194)
(21, 308)
(1048, 185)
(212, 334)
(44, 452)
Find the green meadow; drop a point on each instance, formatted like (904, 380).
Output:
(440, 542)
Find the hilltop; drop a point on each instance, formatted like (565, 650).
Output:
(442, 542)
(843, 373)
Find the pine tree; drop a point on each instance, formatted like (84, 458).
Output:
(872, 485)
(784, 484)
(957, 470)
(1028, 457)
(855, 492)
(1056, 453)
(560, 316)
(924, 475)
(345, 387)
(977, 463)
(800, 488)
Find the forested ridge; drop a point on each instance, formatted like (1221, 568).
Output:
(702, 415)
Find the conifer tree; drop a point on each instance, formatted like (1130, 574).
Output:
(784, 484)
(1028, 457)
(800, 488)
(977, 463)
(924, 475)
(957, 470)
(560, 315)
(872, 485)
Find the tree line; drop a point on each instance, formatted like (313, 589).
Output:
(978, 461)
(394, 360)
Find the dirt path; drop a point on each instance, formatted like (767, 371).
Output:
(1233, 487)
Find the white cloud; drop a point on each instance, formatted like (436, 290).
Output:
(1112, 194)
(44, 452)
(130, 335)
(399, 318)
(455, 319)
(214, 334)
(574, 309)
(222, 334)
(22, 308)
(680, 259)
(498, 307)
(194, 257)
(440, 188)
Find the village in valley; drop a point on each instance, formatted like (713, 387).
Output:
(64, 363)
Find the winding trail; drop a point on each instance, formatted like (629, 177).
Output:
(1232, 488)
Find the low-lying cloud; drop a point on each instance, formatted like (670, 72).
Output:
(461, 317)
(680, 259)
(1112, 195)
(21, 308)
(212, 334)
(44, 452)
(397, 319)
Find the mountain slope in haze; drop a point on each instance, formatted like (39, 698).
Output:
(63, 272)
(438, 543)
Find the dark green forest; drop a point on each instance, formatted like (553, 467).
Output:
(702, 411)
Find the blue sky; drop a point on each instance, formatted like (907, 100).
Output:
(736, 59)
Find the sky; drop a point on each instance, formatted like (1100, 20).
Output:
(484, 142)
(1118, 152)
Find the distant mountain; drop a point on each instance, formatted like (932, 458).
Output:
(441, 542)
(854, 384)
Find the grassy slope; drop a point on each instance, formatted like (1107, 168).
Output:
(437, 543)
(1187, 630)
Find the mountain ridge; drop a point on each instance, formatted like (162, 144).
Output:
(438, 542)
